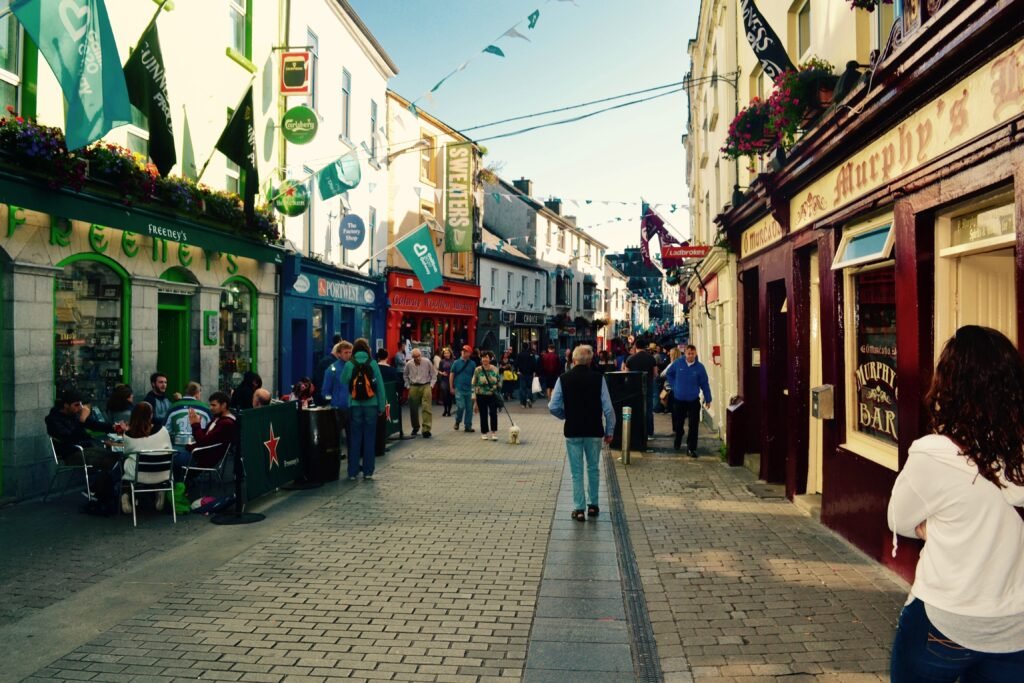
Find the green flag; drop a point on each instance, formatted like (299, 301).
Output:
(75, 39)
(458, 193)
(418, 249)
(340, 176)
(147, 90)
(238, 143)
(494, 50)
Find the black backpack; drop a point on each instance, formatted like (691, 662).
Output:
(362, 384)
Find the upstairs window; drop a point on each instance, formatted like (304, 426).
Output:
(803, 28)
(10, 62)
(346, 104)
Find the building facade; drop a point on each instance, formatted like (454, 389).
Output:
(511, 284)
(417, 182)
(916, 194)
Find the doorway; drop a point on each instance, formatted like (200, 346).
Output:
(815, 430)
(776, 435)
(752, 445)
(173, 336)
(301, 362)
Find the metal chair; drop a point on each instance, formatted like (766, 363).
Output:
(217, 469)
(65, 467)
(156, 471)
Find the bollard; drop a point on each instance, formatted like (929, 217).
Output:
(627, 423)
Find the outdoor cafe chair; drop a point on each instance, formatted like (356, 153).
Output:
(154, 473)
(63, 466)
(217, 469)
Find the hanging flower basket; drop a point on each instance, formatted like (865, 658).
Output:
(799, 97)
(751, 133)
(868, 5)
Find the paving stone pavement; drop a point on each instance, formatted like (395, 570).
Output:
(741, 588)
(458, 563)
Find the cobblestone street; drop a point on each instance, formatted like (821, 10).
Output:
(457, 563)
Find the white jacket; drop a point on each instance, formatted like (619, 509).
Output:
(160, 440)
(973, 561)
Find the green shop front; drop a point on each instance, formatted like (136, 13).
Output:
(95, 294)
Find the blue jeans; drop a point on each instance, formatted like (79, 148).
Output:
(525, 387)
(579, 448)
(362, 439)
(922, 653)
(464, 406)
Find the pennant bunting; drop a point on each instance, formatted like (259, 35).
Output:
(533, 18)
(77, 42)
(494, 50)
(513, 33)
(147, 89)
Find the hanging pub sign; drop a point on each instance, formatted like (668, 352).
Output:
(353, 231)
(292, 198)
(299, 125)
(296, 75)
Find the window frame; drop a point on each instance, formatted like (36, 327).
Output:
(373, 129)
(243, 8)
(313, 40)
(346, 106)
(801, 10)
(838, 263)
(15, 78)
(307, 216)
(428, 158)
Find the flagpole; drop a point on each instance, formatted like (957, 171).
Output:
(240, 100)
(153, 20)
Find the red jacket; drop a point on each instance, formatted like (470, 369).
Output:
(222, 430)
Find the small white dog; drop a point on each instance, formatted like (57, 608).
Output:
(513, 434)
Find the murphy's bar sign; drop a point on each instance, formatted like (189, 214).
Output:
(755, 238)
(989, 97)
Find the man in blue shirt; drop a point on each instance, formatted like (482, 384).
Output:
(688, 379)
(580, 398)
(461, 378)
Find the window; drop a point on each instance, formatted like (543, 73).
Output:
(237, 16)
(561, 240)
(549, 234)
(138, 133)
(864, 254)
(459, 261)
(803, 29)
(508, 289)
(522, 291)
(427, 215)
(232, 171)
(372, 228)
(428, 159)
(314, 49)
(494, 286)
(885, 17)
(586, 252)
(757, 83)
(237, 352)
(10, 62)
(536, 293)
(346, 104)
(307, 217)
(373, 130)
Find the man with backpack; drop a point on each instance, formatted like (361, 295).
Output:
(366, 400)
(526, 364)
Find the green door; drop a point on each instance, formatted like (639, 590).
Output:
(173, 329)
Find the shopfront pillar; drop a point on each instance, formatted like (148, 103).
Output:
(266, 345)
(208, 304)
(143, 334)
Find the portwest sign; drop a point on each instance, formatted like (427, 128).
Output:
(316, 287)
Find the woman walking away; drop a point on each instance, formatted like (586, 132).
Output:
(444, 371)
(486, 384)
(361, 377)
(964, 617)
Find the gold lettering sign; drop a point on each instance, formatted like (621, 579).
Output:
(987, 98)
(754, 239)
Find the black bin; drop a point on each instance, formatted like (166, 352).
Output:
(629, 389)
(321, 446)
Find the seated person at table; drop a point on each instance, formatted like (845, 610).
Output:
(142, 435)
(260, 398)
(68, 423)
(222, 432)
(120, 403)
(177, 420)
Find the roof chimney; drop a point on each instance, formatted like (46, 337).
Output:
(523, 185)
(554, 205)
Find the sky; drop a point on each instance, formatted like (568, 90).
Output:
(579, 50)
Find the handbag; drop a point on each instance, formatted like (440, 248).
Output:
(664, 396)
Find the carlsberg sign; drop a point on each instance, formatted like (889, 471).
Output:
(299, 125)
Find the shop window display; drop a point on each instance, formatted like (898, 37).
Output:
(236, 353)
(88, 330)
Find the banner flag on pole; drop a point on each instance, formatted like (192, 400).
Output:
(458, 205)
(494, 50)
(418, 250)
(76, 41)
(339, 176)
(147, 89)
(238, 143)
(764, 42)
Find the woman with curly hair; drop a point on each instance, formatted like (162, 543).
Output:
(957, 491)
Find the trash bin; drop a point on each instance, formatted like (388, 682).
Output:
(321, 446)
(735, 432)
(629, 389)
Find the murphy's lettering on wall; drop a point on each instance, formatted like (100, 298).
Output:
(989, 97)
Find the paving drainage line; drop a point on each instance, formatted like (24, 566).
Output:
(646, 664)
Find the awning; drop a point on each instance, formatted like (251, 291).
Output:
(142, 220)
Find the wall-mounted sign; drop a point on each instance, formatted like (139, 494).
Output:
(296, 76)
(299, 125)
(352, 231)
(211, 328)
(301, 284)
(525, 319)
(760, 235)
(292, 198)
(458, 194)
(683, 251)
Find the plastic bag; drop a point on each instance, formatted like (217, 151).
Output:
(179, 499)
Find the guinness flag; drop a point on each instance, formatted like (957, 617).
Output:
(767, 47)
(147, 90)
(238, 143)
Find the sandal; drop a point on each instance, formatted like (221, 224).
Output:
(579, 516)
(592, 510)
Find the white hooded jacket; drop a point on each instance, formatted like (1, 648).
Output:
(973, 561)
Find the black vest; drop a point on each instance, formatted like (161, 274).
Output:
(581, 395)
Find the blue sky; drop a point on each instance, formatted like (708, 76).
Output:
(578, 52)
